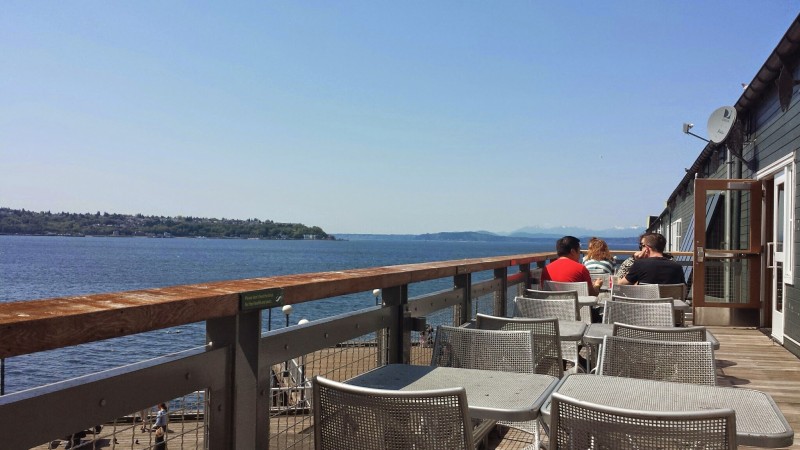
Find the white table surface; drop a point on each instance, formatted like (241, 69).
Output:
(490, 394)
(759, 422)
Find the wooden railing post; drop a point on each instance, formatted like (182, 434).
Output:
(239, 417)
(462, 313)
(501, 296)
(525, 270)
(399, 338)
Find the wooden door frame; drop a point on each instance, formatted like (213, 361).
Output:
(752, 253)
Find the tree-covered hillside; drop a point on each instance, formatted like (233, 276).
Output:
(14, 221)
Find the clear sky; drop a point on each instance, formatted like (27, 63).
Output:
(368, 116)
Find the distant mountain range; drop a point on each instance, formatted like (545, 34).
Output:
(527, 234)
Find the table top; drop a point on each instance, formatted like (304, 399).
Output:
(587, 300)
(490, 394)
(595, 333)
(571, 330)
(759, 422)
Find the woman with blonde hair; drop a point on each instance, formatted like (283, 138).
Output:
(598, 257)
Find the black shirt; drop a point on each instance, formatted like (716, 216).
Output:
(658, 270)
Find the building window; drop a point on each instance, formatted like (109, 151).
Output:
(675, 236)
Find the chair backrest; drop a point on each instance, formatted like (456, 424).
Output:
(550, 295)
(470, 348)
(680, 334)
(595, 274)
(537, 308)
(579, 424)
(546, 342)
(351, 417)
(617, 298)
(682, 362)
(580, 286)
(676, 291)
(647, 314)
(636, 290)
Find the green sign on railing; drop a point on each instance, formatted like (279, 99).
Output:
(265, 298)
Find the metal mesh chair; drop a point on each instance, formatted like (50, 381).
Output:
(636, 290)
(577, 424)
(470, 348)
(546, 343)
(679, 334)
(580, 286)
(559, 308)
(648, 314)
(561, 295)
(682, 362)
(357, 418)
(542, 304)
(676, 291)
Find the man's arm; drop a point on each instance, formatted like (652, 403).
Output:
(594, 287)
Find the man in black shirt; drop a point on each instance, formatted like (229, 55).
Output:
(651, 266)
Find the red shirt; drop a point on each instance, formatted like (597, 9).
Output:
(566, 270)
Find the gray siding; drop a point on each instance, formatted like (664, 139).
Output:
(776, 134)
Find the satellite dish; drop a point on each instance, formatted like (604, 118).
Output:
(720, 123)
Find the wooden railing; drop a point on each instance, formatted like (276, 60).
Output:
(236, 367)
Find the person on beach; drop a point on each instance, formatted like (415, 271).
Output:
(598, 257)
(161, 418)
(651, 265)
(567, 268)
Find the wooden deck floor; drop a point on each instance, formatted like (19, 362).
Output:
(747, 358)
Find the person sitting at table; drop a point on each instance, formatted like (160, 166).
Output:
(567, 268)
(651, 266)
(598, 257)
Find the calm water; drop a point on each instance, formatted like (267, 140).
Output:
(34, 267)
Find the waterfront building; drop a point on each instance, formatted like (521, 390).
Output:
(735, 209)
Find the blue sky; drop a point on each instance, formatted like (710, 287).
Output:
(368, 117)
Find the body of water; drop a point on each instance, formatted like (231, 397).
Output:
(34, 267)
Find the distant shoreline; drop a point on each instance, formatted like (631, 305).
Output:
(126, 236)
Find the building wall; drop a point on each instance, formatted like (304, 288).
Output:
(776, 134)
(771, 135)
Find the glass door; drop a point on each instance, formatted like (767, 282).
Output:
(727, 243)
(777, 251)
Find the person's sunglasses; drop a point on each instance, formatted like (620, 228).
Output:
(642, 246)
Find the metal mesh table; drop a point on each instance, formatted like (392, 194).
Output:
(491, 395)
(759, 422)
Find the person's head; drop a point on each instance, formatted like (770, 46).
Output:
(569, 246)
(598, 250)
(162, 406)
(654, 242)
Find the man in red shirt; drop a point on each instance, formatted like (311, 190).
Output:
(568, 267)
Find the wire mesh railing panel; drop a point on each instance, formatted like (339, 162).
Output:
(180, 424)
(514, 290)
(291, 423)
(727, 281)
(422, 341)
(483, 305)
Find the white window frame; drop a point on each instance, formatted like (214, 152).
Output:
(675, 235)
